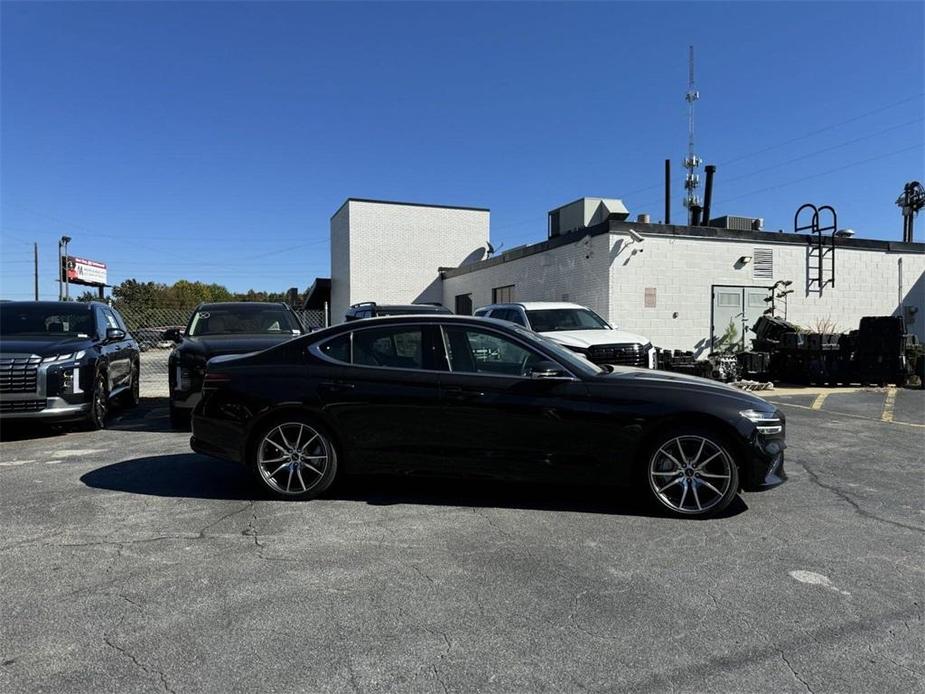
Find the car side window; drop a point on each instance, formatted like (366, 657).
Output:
(512, 315)
(337, 348)
(399, 347)
(110, 319)
(119, 319)
(471, 350)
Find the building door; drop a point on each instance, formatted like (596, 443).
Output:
(735, 310)
(463, 304)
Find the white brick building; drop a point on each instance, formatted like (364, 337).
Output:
(391, 252)
(678, 285)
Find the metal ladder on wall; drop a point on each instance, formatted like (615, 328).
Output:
(820, 256)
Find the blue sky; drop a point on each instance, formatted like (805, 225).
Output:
(213, 141)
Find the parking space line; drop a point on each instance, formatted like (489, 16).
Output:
(820, 399)
(888, 403)
(846, 414)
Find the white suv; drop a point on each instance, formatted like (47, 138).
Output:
(578, 328)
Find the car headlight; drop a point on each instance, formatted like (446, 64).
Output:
(64, 357)
(765, 422)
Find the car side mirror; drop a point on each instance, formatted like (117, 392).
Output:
(548, 370)
(172, 334)
(114, 334)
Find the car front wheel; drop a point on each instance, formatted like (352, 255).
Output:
(99, 402)
(692, 473)
(294, 458)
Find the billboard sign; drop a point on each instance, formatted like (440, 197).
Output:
(82, 271)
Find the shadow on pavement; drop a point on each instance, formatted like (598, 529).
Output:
(194, 476)
(152, 414)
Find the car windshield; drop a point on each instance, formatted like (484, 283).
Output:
(549, 320)
(233, 321)
(45, 320)
(566, 356)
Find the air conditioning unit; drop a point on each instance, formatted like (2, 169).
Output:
(737, 223)
(585, 212)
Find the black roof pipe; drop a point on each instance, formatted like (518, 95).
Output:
(668, 191)
(708, 193)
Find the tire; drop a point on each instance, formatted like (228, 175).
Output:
(293, 457)
(687, 464)
(132, 396)
(179, 419)
(99, 402)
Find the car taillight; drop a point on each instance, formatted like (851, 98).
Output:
(215, 380)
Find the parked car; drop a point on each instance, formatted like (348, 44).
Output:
(464, 396)
(218, 329)
(578, 328)
(370, 309)
(65, 361)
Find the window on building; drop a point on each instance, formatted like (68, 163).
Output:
(502, 295)
(763, 264)
(733, 299)
(464, 304)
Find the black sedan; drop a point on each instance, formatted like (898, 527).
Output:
(65, 361)
(464, 396)
(219, 329)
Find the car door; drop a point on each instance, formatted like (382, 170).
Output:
(114, 353)
(379, 385)
(499, 421)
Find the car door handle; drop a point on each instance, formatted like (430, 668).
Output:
(337, 387)
(459, 393)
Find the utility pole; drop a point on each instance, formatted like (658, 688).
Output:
(65, 240)
(60, 268)
(35, 259)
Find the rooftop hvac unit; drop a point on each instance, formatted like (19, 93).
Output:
(585, 212)
(737, 223)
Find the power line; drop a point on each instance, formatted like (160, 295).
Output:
(825, 173)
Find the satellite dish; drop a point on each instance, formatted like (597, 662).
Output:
(491, 249)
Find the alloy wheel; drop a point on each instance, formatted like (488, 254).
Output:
(292, 458)
(100, 402)
(691, 474)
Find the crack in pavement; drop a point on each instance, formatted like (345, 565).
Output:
(844, 496)
(107, 639)
(795, 674)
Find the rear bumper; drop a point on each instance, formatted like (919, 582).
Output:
(217, 439)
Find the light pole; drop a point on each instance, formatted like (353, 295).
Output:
(62, 267)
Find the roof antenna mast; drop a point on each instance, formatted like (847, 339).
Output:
(692, 162)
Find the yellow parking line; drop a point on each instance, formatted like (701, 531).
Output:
(845, 414)
(888, 404)
(817, 403)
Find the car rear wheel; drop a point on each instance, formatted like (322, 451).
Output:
(294, 458)
(691, 473)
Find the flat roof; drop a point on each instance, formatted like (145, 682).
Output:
(410, 204)
(702, 233)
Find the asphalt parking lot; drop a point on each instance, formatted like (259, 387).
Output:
(131, 564)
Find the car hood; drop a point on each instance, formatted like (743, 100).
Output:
(219, 345)
(588, 338)
(43, 346)
(670, 379)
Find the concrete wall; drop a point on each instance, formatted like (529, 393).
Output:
(682, 270)
(575, 272)
(393, 251)
(340, 263)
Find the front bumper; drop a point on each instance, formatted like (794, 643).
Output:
(44, 391)
(763, 463)
(53, 409)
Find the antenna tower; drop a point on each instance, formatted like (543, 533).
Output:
(692, 162)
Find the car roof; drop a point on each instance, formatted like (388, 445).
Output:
(534, 305)
(241, 304)
(59, 305)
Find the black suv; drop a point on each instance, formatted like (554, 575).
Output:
(215, 330)
(370, 309)
(65, 361)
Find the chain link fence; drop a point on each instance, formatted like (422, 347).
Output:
(147, 325)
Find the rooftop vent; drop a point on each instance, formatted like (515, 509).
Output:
(737, 223)
(585, 212)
